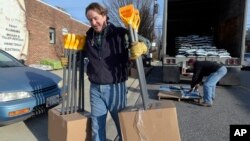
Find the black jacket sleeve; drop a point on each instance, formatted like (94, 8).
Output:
(197, 76)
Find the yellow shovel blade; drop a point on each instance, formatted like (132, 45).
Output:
(77, 41)
(72, 42)
(136, 20)
(82, 42)
(78, 38)
(67, 39)
(126, 14)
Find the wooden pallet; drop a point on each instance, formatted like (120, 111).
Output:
(173, 95)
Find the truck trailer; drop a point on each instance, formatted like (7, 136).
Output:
(212, 30)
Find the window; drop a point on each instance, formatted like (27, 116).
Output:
(52, 35)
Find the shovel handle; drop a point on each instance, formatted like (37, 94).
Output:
(131, 19)
(141, 76)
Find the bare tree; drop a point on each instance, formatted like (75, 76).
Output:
(145, 8)
(158, 42)
(61, 8)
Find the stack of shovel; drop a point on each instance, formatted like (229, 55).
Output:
(72, 102)
(71, 122)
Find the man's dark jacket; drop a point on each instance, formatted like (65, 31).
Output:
(108, 55)
(203, 68)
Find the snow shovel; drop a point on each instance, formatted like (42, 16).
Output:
(131, 19)
(74, 74)
(70, 97)
(81, 75)
(78, 45)
(67, 40)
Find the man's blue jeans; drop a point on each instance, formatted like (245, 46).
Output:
(210, 84)
(104, 98)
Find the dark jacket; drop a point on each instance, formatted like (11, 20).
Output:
(203, 68)
(108, 56)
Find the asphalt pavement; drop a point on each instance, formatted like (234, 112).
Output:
(197, 123)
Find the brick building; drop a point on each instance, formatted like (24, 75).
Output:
(45, 25)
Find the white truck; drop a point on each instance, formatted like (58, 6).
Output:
(203, 29)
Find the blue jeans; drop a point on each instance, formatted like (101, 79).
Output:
(104, 98)
(210, 84)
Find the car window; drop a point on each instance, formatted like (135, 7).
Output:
(4, 58)
(8, 61)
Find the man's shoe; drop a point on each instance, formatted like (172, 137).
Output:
(206, 104)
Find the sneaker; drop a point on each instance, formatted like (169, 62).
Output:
(206, 104)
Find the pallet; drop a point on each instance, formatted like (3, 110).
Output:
(173, 95)
(164, 94)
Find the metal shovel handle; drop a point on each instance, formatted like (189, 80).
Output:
(130, 17)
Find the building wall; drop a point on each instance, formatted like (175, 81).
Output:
(40, 18)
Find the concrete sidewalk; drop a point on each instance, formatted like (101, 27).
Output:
(132, 97)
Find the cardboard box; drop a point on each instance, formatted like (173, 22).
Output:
(158, 123)
(71, 127)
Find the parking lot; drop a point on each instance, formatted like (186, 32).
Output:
(196, 123)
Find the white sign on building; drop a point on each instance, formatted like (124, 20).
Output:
(13, 31)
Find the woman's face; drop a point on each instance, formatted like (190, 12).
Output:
(96, 20)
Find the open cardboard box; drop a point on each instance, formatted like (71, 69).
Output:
(157, 123)
(70, 127)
